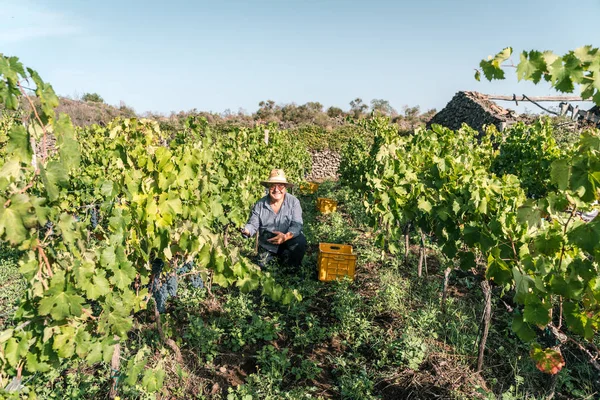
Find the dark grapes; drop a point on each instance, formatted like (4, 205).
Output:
(160, 297)
(172, 285)
(94, 218)
(157, 266)
(47, 228)
(156, 284)
(196, 281)
(187, 267)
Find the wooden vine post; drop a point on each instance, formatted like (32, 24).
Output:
(406, 242)
(445, 289)
(422, 255)
(485, 321)
(114, 369)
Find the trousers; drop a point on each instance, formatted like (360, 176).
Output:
(289, 253)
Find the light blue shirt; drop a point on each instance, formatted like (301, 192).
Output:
(264, 220)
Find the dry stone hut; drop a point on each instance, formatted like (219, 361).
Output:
(475, 110)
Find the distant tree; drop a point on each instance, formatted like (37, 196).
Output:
(314, 106)
(426, 116)
(126, 109)
(357, 107)
(267, 105)
(93, 97)
(334, 112)
(291, 113)
(306, 113)
(268, 111)
(411, 112)
(381, 106)
(411, 118)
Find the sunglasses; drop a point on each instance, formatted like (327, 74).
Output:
(279, 186)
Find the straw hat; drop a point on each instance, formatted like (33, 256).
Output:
(276, 176)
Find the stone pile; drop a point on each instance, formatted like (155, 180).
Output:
(474, 109)
(325, 165)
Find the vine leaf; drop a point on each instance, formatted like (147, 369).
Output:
(492, 68)
(522, 329)
(45, 93)
(96, 287)
(586, 236)
(531, 66)
(560, 174)
(53, 175)
(497, 270)
(549, 361)
(68, 148)
(530, 213)
(15, 350)
(578, 321)
(11, 223)
(522, 284)
(153, 379)
(64, 342)
(18, 144)
(119, 324)
(61, 305)
(536, 312)
(563, 71)
(424, 205)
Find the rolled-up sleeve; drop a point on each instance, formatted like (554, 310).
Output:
(253, 222)
(296, 224)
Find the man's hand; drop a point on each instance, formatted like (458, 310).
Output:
(245, 232)
(280, 237)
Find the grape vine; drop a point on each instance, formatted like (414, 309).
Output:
(439, 181)
(101, 214)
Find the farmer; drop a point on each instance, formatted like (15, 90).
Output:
(277, 218)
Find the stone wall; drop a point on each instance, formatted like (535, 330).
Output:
(325, 165)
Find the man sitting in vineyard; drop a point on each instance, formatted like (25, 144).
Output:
(277, 218)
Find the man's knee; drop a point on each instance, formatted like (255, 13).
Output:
(298, 242)
(292, 252)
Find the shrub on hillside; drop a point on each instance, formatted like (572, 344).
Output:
(93, 97)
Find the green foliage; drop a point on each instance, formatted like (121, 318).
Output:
(331, 228)
(12, 284)
(410, 349)
(353, 380)
(203, 338)
(335, 112)
(528, 151)
(576, 67)
(92, 97)
(274, 363)
(353, 324)
(354, 161)
(318, 138)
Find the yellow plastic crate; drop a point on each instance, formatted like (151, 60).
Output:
(335, 261)
(309, 187)
(326, 205)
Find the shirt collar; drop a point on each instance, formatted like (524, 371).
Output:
(267, 202)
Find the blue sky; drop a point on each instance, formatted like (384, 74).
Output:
(165, 56)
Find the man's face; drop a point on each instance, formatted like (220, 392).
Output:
(276, 191)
